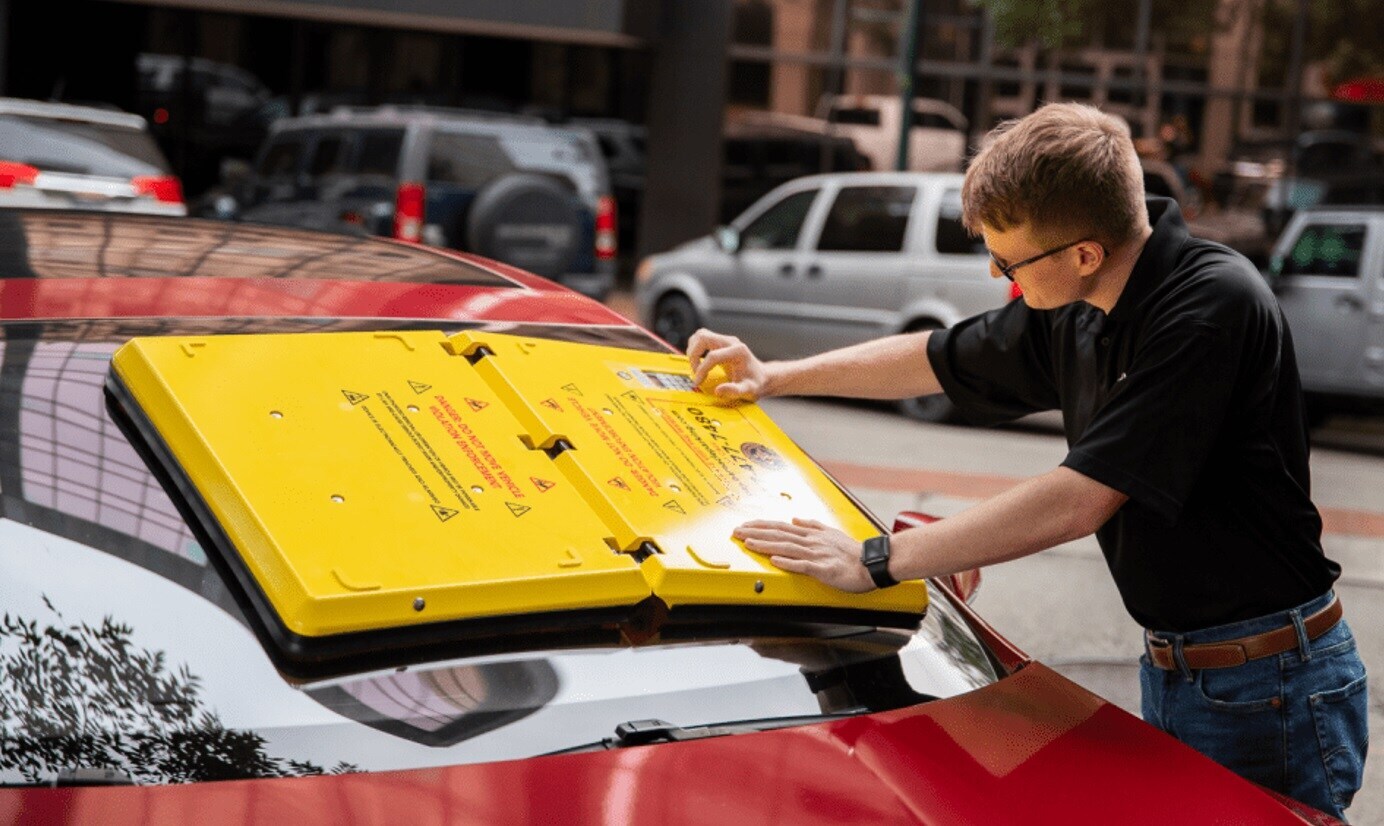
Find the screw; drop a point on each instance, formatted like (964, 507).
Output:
(419, 604)
(759, 586)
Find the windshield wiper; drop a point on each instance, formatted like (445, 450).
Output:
(645, 732)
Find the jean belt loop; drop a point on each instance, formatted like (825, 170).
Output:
(1304, 644)
(1180, 659)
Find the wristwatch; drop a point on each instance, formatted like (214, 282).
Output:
(874, 555)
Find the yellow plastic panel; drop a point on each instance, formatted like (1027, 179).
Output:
(359, 473)
(661, 462)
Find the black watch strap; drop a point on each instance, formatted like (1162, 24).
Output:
(874, 555)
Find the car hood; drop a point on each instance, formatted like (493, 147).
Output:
(1033, 747)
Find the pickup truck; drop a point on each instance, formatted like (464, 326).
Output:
(1328, 271)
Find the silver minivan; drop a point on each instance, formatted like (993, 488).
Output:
(827, 261)
(1328, 272)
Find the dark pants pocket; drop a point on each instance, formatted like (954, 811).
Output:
(1341, 717)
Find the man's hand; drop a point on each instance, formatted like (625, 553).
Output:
(808, 547)
(748, 379)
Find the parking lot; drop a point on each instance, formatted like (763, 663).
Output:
(1061, 605)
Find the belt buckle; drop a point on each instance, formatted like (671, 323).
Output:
(1156, 641)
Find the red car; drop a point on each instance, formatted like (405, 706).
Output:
(137, 689)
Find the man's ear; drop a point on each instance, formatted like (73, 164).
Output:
(1090, 255)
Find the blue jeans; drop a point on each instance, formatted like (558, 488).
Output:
(1296, 722)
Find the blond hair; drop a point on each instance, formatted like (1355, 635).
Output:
(1067, 168)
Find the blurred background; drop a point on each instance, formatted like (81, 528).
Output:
(1245, 110)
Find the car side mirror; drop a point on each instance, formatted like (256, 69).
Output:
(728, 239)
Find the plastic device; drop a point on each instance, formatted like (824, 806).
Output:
(378, 492)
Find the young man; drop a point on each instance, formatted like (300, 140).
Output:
(1180, 398)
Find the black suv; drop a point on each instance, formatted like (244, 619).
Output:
(509, 188)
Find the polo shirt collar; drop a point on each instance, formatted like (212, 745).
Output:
(1156, 260)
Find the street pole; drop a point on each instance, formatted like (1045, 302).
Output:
(908, 65)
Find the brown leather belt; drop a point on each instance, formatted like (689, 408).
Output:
(1230, 653)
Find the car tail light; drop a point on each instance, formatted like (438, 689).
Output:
(408, 212)
(606, 244)
(165, 189)
(13, 174)
(1015, 291)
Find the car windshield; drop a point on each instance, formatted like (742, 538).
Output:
(79, 147)
(124, 648)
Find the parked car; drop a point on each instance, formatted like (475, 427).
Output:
(59, 156)
(136, 672)
(1327, 167)
(506, 187)
(826, 261)
(937, 142)
(1328, 272)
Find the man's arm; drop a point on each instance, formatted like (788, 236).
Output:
(895, 367)
(1034, 515)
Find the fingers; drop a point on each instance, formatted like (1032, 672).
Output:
(703, 341)
(734, 355)
(768, 527)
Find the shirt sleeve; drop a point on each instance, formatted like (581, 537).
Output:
(1152, 435)
(996, 367)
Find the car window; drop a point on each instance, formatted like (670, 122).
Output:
(1327, 249)
(79, 148)
(471, 161)
(379, 152)
(868, 219)
(778, 227)
(952, 237)
(329, 157)
(281, 159)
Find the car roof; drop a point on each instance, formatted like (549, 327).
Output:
(404, 116)
(70, 112)
(884, 178)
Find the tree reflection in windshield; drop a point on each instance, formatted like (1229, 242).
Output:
(78, 695)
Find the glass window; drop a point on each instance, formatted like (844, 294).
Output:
(379, 152)
(79, 148)
(1327, 249)
(778, 227)
(330, 156)
(952, 238)
(281, 158)
(868, 219)
(466, 160)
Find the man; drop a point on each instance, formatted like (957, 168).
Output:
(1180, 398)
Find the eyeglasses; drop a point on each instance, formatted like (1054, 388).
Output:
(1008, 271)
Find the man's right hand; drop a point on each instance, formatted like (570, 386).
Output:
(748, 378)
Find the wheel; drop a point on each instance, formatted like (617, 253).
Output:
(937, 408)
(675, 320)
(529, 221)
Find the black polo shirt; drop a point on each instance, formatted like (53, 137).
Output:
(1185, 398)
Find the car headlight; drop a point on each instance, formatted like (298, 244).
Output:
(644, 271)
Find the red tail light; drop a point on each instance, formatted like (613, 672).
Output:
(165, 189)
(606, 245)
(408, 212)
(13, 174)
(1015, 291)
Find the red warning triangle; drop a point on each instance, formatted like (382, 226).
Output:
(617, 482)
(477, 404)
(543, 485)
(552, 404)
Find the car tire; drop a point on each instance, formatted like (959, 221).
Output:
(675, 319)
(528, 221)
(936, 408)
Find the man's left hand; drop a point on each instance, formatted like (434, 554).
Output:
(808, 547)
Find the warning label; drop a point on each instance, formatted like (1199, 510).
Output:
(517, 509)
(353, 397)
(419, 387)
(543, 485)
(473, 447)
(406, 434)
(638, 470)
(477, 404)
